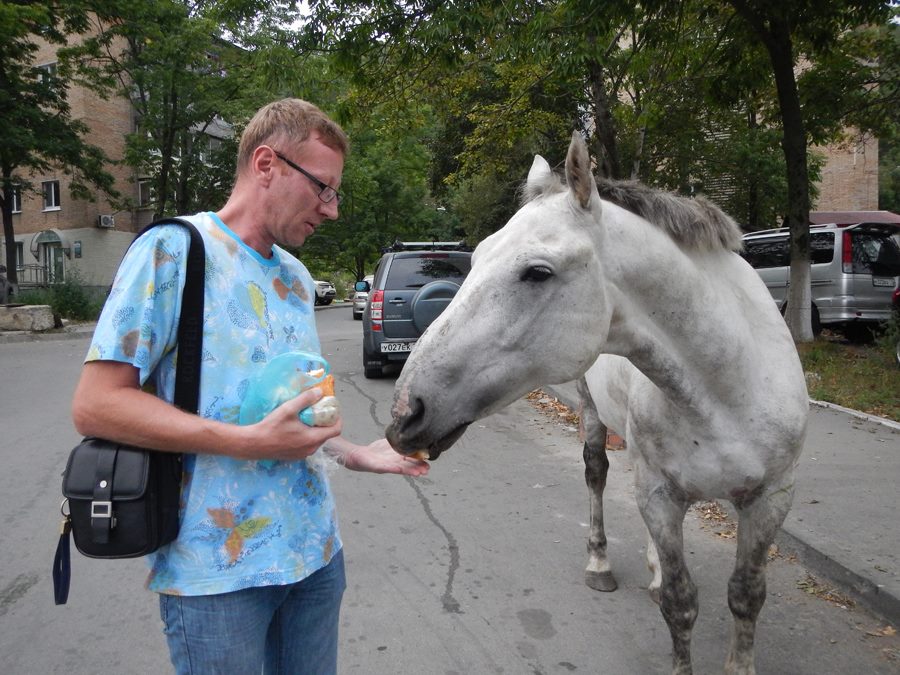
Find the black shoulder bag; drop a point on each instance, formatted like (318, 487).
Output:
(124, 500)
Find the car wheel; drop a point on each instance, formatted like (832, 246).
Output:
(357, 317)
(327, 301)
(430, 301)
(815, 322)
(373, 368)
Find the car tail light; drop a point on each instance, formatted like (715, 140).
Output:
(847, 254)
(376, 306)
(895, 299)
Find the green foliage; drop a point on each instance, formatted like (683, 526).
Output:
(40, 134)
(189, 81)
(385, 197)
(889, 175)
(69, 300)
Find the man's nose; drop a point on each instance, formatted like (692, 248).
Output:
(329, 209)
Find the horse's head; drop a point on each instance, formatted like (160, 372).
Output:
(532, 311)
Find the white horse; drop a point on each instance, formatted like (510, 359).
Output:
(681, 349)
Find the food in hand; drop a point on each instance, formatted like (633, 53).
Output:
(323, 413)
(421, 455)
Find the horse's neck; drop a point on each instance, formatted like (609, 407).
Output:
(668, 317)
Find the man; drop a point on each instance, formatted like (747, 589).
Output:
(256, 574)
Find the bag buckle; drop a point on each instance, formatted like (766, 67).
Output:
(101, 509)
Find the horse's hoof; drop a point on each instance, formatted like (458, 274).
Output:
(654, 594)
(601, 581)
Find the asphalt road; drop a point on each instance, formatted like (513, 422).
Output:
(476, 568)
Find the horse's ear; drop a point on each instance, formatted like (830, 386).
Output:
(578, 171)
(539, 172)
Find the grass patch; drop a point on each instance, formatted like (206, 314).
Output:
(861, 377)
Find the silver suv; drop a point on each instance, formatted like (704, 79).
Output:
(413, 283)
(854, 271)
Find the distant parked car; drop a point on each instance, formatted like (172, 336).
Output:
(360, 298)
(414, 282)
(325, 292)
(854, 271)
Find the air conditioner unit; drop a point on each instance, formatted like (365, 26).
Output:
(106, 222)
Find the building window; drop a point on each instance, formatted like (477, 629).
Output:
(146, 193)
(209, 145)
(51, 195)
(47, 74)
(17, 200)
(20, 255)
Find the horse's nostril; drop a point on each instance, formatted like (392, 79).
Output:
(401, 432)
(416, 411)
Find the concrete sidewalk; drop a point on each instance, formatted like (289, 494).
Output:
(84, 330)
(843, 524)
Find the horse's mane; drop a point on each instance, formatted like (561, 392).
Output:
(694, 223)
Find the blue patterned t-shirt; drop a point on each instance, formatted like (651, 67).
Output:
(243, 523)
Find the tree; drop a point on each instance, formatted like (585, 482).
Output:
(169, 59)
(385, 194)
(809, 28)
(39, 132)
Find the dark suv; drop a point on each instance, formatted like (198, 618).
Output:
(414, 282)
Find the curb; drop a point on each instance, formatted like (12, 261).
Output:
(864, 591)
(86, 330)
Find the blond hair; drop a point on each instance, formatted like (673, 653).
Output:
(290, 120)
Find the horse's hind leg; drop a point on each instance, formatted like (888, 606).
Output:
(758, 523)
(663, 510)
(598, 574)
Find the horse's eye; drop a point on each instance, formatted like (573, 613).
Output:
(537, 273)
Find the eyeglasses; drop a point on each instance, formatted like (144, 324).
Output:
(326, 192)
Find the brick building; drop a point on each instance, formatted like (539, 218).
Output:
(56, 235)
(850, 176)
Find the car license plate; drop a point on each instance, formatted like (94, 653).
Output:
(396, 347)
(882, 282)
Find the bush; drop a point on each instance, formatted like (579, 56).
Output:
(69, 300)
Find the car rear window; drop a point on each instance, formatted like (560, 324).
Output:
(869, 247)
(418, 271)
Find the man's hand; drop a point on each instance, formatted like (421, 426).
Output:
(377, 457)
(281, 435)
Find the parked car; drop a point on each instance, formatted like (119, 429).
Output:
(413, 283)
(854, 271)
(325, 292)
(360, 297)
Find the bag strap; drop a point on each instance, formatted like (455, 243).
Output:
(190, 324)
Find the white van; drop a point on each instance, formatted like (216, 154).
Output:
(854, 271)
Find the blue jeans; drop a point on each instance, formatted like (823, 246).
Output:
(278, 630)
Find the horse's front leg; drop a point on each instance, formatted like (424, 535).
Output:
(597, 574)
(758, 523)
(663, 509)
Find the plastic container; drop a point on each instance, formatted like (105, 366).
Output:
(283, 378)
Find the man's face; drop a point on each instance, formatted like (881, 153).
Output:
(300, 210)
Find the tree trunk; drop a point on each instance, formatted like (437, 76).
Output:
(775, 33)
(798, 314)
(9, 235)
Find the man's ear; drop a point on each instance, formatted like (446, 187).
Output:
(262, 163)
